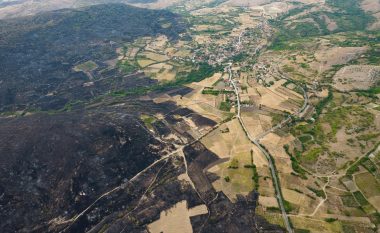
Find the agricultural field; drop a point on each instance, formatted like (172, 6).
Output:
(307, 78)
(298, 80)
(370, 188)
(177, 219)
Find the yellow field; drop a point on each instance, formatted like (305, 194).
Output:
(176, 219)
(314, 225)
(145, 62)
(182, 53)
(86, 66)
(161, 72)
(203, 27)
(155, 56)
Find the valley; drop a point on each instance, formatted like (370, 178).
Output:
(202, 116)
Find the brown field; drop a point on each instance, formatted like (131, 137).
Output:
(182, 53)
(206, 105)
(372, 7)
(240, 179)
(274, 218)
(131, 53)
(160, 71)
(256, 123)
(145, 62)
(176, 219)
(159, 4)
(226, 145)
(327, 56)
(305, 204)
(356, 77)
(268, 201)
(279, 98)
(316, 225)
(158, 44)
(273, 9)
(202, 39)
(205, 27)
(235, 146)
(154, 56)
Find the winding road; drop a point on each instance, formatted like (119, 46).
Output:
(270, 162)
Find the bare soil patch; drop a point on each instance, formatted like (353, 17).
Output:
(356, 77)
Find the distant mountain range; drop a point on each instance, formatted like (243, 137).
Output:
(18, 8)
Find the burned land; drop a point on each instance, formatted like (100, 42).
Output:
(38, 53)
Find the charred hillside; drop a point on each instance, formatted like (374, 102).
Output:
(38, 53)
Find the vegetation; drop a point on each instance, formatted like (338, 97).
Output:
(360, 198)
(301, 231)
(372, 92)
(225, 106)
(350, 16)
(312, 154)
(288, 206)
(126, 66)
(234, 164)
(148, 121)
(318, 192)
(295, 164)
(72, 104)
(330, 220)
(255, 174)
(87, 66)
(203, 71)
(215, 92)
(322, 104)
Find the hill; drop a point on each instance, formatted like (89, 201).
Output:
(38, 53)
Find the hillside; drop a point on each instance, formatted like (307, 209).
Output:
(38, 53)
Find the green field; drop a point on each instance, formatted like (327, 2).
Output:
(86, 66)
(368, 184)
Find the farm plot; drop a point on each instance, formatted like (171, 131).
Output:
(370, 188)
(176, 219)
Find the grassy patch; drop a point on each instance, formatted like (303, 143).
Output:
(86, 66)
(368, 184)
(288, 206)
(330, 220)
(368, 137)
(148, 121)
(304, 138)
(225, 106)
(276, 118)
(72, 104)
(234, 164)
(295, 164)
(322, 104)
(349, 16)
(360, 198)
(349, 201)
(317, 192)
(312, 155)
(126, 67)
(215, 92)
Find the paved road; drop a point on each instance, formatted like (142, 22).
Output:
(270, 162)
(289, 118)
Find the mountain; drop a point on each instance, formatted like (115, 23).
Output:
(18, 8)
